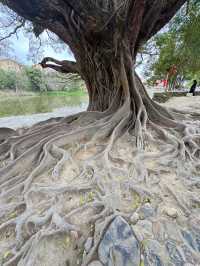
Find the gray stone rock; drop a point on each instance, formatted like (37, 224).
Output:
(146, 211)
(143, 230)
(119, 245)
(88, 244)
(152, 254)
(174, 253)
(189, 239)
(171, 212)
(152, 260)
(189, 255)
(135, 218)
(197, 239)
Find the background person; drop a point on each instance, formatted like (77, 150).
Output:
(193, 87)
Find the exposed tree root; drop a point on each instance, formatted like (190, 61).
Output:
(92, 162)
(65, 180)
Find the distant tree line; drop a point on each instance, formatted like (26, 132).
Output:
(177, 45)
(33, 79)
(29, 79)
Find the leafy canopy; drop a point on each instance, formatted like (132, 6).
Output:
(178, 45)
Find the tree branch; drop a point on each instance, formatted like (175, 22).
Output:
(149, 16)
(135, 18)
(162, 13)
(60, 66)
(14, 31)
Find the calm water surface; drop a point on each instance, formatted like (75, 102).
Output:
(22, 111)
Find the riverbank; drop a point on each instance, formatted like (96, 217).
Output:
(9, 93)
(28, 103)
(184, 103)
(162, 97)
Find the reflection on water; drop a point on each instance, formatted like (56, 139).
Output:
(38, 104)
(24, 111)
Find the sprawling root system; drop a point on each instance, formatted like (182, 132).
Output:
(62, 178)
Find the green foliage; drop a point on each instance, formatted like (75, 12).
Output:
(166, 45)
(178, 45)
(73, 85)
(29, 79)
(33, 79)
(36, 80)
(7, 80)
(22, 81)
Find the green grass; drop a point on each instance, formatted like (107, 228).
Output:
(7, 95)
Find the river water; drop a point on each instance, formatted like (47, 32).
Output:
(29, 120)
(25, 111)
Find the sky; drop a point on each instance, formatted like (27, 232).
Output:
(21, 51)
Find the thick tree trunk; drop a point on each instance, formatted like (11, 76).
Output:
(101, 72)
(111, 81)
(109, 76)
(102, 78)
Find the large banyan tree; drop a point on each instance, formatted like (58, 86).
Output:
(66, 175)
